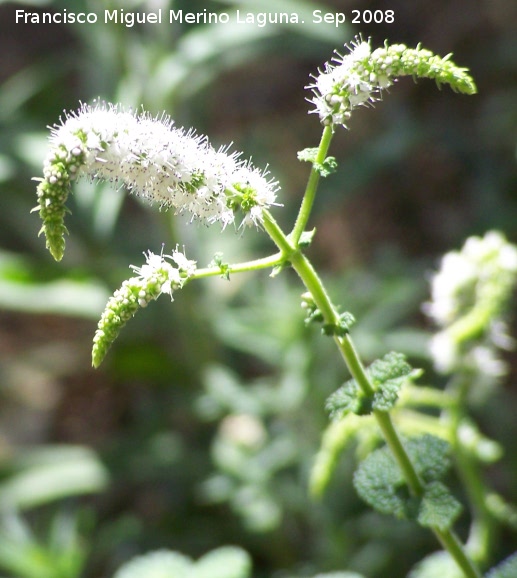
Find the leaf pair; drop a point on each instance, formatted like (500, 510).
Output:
(380, 482)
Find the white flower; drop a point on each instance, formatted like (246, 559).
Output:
(484, 359)
(468, 297)
(155, 277)
(444, 352)
(358, 78)
(153, 159)
(456, 277)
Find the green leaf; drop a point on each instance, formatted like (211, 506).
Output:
(380, 483)
(387, 375)
(438, 508)
(308, 155)
(159, 564)
(225, 562)
(217, 261)
(306, 238)
(51, 473)
(430, 455)
(392, 369)
(349, 398)
(326, 168)
(386, 396)
(61, 553)
(506, 569)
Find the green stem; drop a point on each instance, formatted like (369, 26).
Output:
(482, 533)
(322, 300)
(454, 547)
(345, 345)
(312, 185)
(264, 263)
(393, 441)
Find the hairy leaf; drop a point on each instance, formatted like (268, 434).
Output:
(438, 508)
(387, 375)
(380, 483)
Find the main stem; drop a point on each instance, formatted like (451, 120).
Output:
(315, 286)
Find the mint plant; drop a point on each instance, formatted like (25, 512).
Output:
(179, 169)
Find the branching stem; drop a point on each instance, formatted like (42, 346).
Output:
(292, 253)
(312, 185)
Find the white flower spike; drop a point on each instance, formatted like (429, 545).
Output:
(153, 159)
(358, 78)
(468, 295)
(155, 277)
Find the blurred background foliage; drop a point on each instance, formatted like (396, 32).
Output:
(201, 427)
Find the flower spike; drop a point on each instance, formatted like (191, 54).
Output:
(155, 277)
(359, 77)
(153, 159)
(469, 295)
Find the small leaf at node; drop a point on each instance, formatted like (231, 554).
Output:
(387, 375)
(349, 398)
(308, 155)
(326, 168)
(306, 238)
(217, 261)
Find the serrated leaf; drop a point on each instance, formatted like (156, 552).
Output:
(506, 569)
(326, 168)
(308, 155)
(379, 482)
(306, 238)
(217, 261)
(386, 396)
(348, 399)
(438, 508)
(387, 375)
(391, 372)
(430, 455)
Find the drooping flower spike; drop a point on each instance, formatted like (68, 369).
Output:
(153, 159)
(155, 277)
(359, 77)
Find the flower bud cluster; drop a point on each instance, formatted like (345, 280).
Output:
(358, 78)
(468, 298)
(155, 277)
(152, 159)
